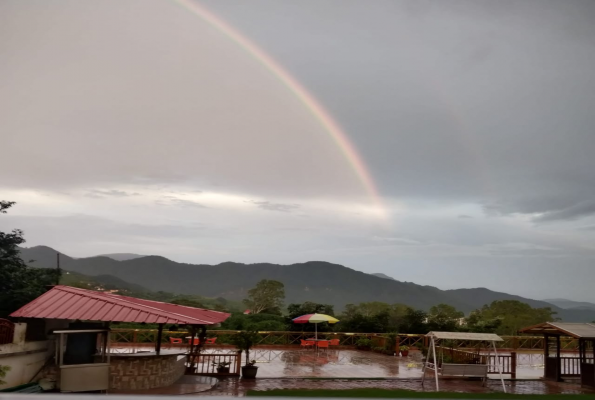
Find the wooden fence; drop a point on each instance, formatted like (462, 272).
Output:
(133, 337)
(570, 366)
(508, 362)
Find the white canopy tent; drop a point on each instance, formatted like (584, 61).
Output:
(480, 337)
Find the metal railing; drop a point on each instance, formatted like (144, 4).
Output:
(215, 364)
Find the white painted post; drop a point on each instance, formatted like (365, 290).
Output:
(435, 364)
(425, 369)
(498, 364)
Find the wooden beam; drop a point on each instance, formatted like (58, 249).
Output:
(558, 360)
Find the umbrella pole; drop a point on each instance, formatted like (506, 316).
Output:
(316, 330)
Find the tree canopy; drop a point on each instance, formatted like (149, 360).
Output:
(444, 317)
(266, 296)
(19, 284)
(506, 317)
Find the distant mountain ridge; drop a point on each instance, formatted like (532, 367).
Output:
(384, 276)
(316, 281)
(122, 256)
(572, 305)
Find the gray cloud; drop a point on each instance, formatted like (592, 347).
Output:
(98, 194)
(176, 202)
(267, 205)
(457, 109)
(573, 212)
(398, 241)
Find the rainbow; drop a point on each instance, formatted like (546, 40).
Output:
(324, 118)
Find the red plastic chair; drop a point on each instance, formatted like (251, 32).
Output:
(211, 340)
(196, 341)
(174, 340)
(335, 342)
(324, 344)
(306, 343)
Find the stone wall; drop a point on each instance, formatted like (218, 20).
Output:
(145, 372)
(23, 358)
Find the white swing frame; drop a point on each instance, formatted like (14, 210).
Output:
(481, 337)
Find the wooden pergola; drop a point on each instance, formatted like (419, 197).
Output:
(558, 367)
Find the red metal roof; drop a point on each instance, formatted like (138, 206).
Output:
(65, 302)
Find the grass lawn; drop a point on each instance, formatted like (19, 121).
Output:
(408, 394)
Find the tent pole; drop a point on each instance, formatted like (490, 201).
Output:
(435, 364)
(498, 364)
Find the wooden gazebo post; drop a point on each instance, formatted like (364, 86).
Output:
(558, 359)
(196, 349)
(159, 339)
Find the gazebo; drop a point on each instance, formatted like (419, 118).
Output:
(83, 354)
(456, 369)
(557, 367)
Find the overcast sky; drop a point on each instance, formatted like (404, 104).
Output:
(136, 126)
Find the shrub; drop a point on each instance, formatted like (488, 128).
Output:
(3, 370)
(244, 342)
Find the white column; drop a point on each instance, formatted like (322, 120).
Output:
(435, 364)
(499, 368)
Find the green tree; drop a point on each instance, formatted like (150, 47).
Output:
(479, 323)
(187, 301)
(19, 284)
(415, 321)
(366, 317)
(511, 314)
(296, 310)
(266, 296)
(372, 308)
(396, 317)
(444, 317)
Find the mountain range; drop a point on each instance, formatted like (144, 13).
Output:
(316, 281)
(571, 305)
(121, 256)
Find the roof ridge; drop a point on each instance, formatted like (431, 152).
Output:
(169, 304)
(136, 306)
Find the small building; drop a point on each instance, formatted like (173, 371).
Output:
(557, 365)
(76, 323)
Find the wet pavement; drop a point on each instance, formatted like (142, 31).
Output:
(295, 362)
(239, 387)
(188, 384)
(296, 368)
(331, 364)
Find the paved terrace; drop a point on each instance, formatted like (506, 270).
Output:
(295, 362)
(296, 368)
(239, 387)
